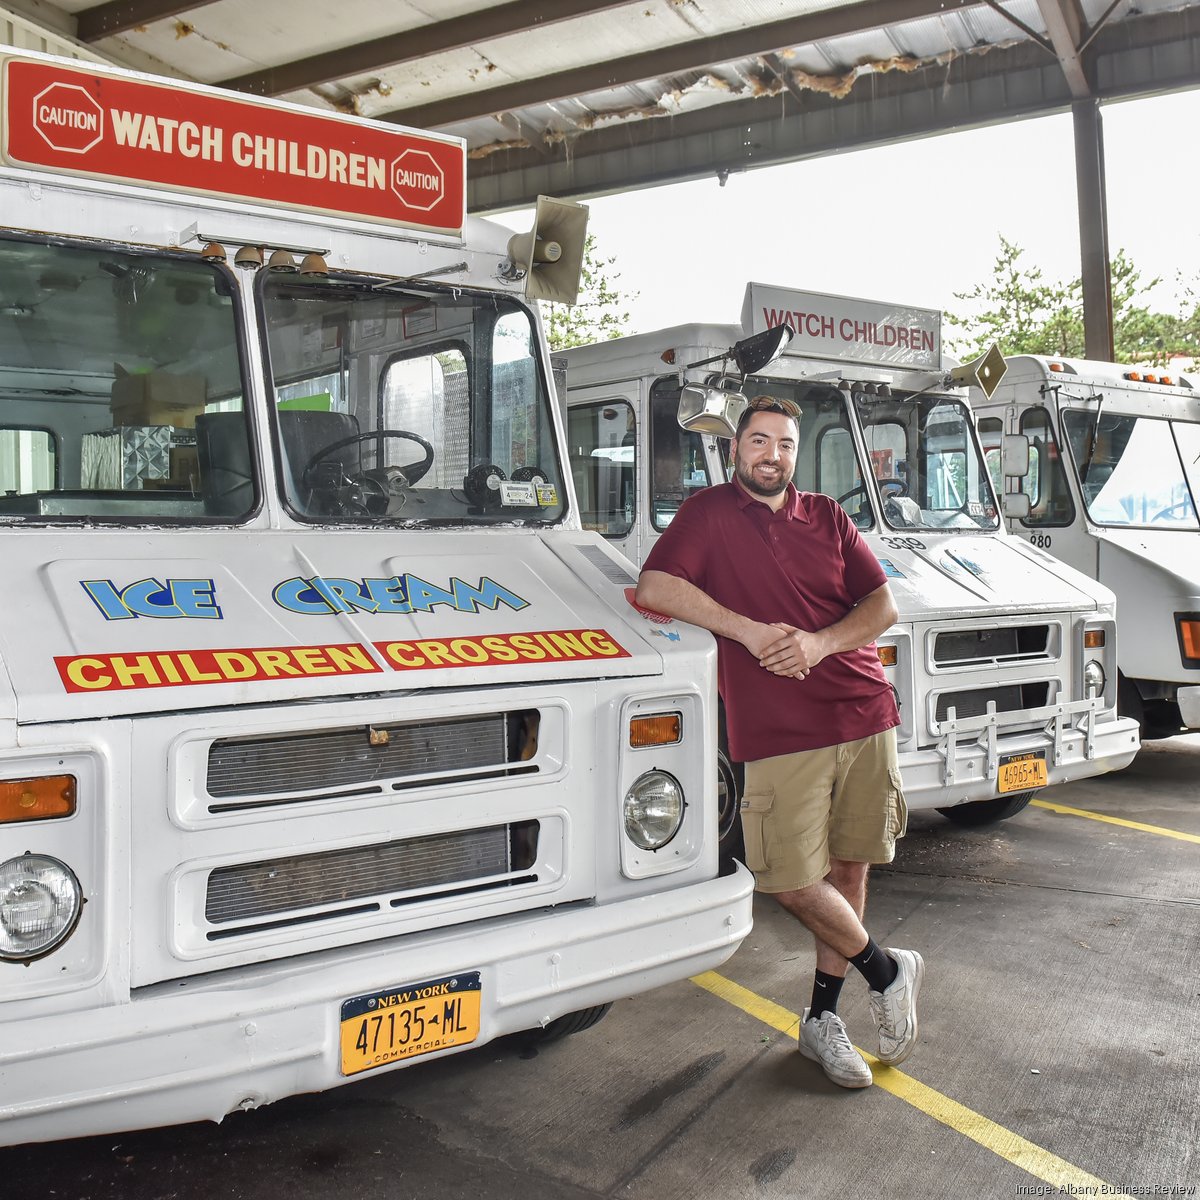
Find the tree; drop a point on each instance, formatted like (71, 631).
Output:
(599, 314)
(1025, 314)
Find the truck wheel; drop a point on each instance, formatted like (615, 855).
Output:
(985, 812)
(569, 1023)
(731, 779)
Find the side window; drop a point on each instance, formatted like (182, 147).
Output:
(677, 459)
(838, 475)
(28, 461)
(602, 443)
(1050, 502)
(991, 435)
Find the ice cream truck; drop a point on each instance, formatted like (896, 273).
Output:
(1002, 660)
(1108, 480)
(329, 740)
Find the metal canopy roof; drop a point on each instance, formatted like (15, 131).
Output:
(583, 97)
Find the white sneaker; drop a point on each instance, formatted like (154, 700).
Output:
(895, 1008)
(825, 1040)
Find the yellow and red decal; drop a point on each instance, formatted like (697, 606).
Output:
(500, 649)
(183, 668)
(85, 121)
(137, 670)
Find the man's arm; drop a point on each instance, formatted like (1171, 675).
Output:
(798, 651)
(666, 593)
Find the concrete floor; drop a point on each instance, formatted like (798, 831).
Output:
(1060, 1047)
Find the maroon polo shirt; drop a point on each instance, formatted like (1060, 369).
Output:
(806, 565)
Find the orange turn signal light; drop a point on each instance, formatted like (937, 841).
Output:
(1189, 635)
(36, 799)
(1093, 638)
(887, 655)
(661, 729)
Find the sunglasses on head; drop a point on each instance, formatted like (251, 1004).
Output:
(774, 404)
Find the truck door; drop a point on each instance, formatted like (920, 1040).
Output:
(1055, 521)
(602, 440)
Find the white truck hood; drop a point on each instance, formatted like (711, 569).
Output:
(160, 620)
(936, 576)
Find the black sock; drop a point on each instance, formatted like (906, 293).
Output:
(826, 989)
(878, 967)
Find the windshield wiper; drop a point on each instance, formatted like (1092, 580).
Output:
(1091, 450)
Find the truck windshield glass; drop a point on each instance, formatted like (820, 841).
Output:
(410, 406)
(926, 463)
(677, 466)
(110, 364)
(1134, 470)
(602, 442)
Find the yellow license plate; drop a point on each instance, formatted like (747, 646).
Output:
(407, 1021)
(1022, 772)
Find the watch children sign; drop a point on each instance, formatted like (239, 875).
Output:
(128, 130)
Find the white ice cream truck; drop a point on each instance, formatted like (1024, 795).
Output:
(1111, 485)
(328, 737)
(1003, 661)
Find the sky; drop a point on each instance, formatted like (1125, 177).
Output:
(912, 223)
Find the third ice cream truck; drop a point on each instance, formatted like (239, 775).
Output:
(1109, 481)
(1003, 661)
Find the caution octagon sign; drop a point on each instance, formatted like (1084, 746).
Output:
(113, 127)
(68, 118)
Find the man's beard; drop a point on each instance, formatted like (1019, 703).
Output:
(747, 480)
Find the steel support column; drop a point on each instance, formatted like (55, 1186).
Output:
(1093, 230)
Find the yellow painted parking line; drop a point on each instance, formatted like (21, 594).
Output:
(1094, 816)
(1003, 1142)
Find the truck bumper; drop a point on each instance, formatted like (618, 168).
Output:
(964, 765)
(202, 1047)
(1189, 706)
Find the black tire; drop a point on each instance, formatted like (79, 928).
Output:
(987, 812)
(731, 779)
(568, 1024)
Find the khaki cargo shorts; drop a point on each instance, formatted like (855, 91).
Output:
(842, 801)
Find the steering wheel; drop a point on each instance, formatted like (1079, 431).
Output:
(371, 492)
(900, 485)
(1183, 507)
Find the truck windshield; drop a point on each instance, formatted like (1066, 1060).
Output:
(926, 463)
(109, 363)
(408, 405)
(1131, 469)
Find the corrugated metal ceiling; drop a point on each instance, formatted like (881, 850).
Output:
(584, 96)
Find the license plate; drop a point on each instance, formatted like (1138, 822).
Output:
(1022, 772)
(404, 1022)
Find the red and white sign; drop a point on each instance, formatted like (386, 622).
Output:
(111, 126)
(846, 328)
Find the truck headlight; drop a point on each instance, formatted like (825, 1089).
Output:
(1094, 679)
(653, 810)
(40, 902)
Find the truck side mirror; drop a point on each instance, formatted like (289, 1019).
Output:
(709, 410)
(753, 353)
(1016, 504)
(1014, 455)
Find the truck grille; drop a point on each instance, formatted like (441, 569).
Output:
(1012, 643)
(1011, 697)
(366, 758)
(389, 874)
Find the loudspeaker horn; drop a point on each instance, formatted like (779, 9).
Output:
(551, 254)
(984, 372)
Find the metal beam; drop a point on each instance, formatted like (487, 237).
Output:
(474, 29)
(119, 15)
(1145, 56)
(1093, 231)
(1067, 30)
(671, 60)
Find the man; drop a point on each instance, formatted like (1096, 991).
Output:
(796, 600)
